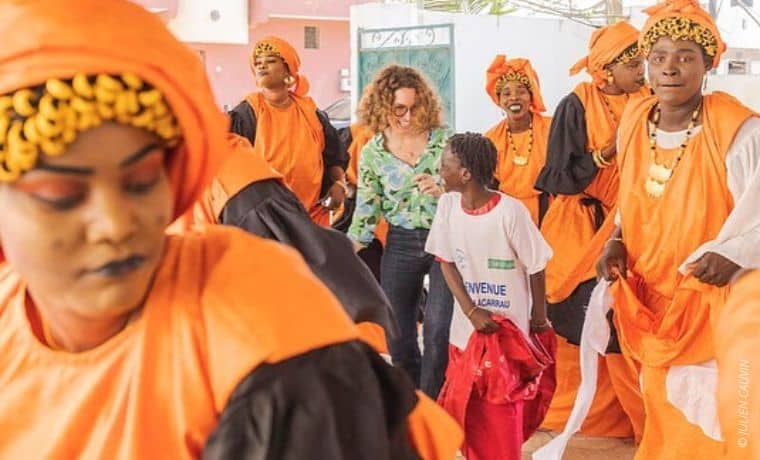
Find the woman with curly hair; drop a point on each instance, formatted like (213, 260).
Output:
(397, 181)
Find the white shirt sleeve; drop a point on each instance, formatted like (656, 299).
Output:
(527, 242)
(439, 242)
(739, 238)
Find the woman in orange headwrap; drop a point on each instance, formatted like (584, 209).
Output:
(285, 127)
(581, 172)
(689, 180)
(521, 137)
(119, 342)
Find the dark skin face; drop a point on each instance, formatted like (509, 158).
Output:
(628, 78)
(270, 72)
(515, 99)
(676, 71)
(85, 230)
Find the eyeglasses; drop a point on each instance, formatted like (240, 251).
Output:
(401, 110)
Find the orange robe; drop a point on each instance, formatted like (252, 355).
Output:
(736, 345)
(292, 141)
(517, 181)
(108, 402)
(570, 228)
(662, 316)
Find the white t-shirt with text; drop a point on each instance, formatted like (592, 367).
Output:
(495, 249)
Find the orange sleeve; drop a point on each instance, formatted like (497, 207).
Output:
(266, 308)
(434, 434)
(737, 342)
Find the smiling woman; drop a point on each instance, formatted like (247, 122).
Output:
(120, 342)
(521, 137)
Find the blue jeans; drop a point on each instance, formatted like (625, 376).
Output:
(402, 270)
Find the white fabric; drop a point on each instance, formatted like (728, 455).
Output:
(693, 390)
(739, 238)
(495, 253)
(594, 340)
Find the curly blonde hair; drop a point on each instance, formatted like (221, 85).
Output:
(376, 104)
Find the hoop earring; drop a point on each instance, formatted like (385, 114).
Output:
(290, 80)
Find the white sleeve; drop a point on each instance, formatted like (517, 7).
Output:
(438, 242)
(739, 238)
(527, 242)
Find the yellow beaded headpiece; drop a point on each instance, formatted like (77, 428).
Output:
(630, 53)
(47, 118)
(680, 28)
(512, 76)
(266, 49)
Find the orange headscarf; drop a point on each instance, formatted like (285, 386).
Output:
(605, 45)
(501, 66)
(90, 37)
(289, 55)
(688, 9)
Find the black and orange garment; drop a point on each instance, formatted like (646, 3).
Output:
(578, 222)
(225, 344)
(518, 180)
(298, 141)
(249, 194)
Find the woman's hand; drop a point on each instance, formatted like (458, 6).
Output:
(337, 194)
(713, 269)
(613, 261)
(427, 184)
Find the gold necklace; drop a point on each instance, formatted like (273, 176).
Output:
(659, 174)
(521, 160)
(609, 109)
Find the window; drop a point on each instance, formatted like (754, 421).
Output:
(737, 67)
(311, 37)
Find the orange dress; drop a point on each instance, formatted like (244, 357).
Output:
(570, 228)
(736, 345)
(108, 402)
(518, 181)
(663, 317)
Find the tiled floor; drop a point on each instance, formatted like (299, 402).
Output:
(583, 447)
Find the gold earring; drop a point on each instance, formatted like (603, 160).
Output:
(290, 80)
(610, 77)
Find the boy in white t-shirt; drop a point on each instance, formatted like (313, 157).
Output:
(493, 259)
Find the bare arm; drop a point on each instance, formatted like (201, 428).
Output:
(480, 318)
(538, 319)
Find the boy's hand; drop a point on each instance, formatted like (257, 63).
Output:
(482, 322)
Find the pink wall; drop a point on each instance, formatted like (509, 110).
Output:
(229, 71)
(228, 65)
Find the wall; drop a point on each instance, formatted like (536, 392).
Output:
(552, 45)
(229, 69)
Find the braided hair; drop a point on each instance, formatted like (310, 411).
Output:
(477, 154)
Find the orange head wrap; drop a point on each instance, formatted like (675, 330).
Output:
(605, 45)
(281, 48)
(682, 20)
(517, 69)
(70, 37)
